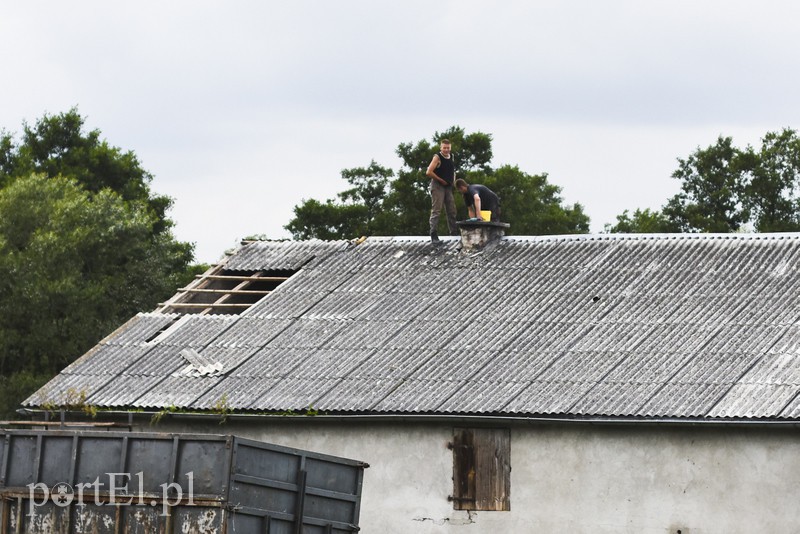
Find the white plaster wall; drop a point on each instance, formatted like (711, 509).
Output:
(643, 480)
(564, 478)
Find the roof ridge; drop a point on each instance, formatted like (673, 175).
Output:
(659, 236)
(613, 237)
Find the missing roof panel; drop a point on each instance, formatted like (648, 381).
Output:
(222, 292)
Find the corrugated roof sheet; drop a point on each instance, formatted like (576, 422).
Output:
(675, 326)
(280, 255)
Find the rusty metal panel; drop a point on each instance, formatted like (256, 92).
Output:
(126, 482)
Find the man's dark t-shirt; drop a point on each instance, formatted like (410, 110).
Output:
(489, 201)
(446, 169)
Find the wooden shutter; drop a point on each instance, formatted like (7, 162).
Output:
(482, 469)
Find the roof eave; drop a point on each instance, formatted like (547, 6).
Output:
(432, 418)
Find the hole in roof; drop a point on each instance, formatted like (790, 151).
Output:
(161, 330)
(222, 292)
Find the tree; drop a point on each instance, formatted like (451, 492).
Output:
(533, 204)
(15, 388)
(772, 188)
(380, 205)
(57, 145)
(724, 189)
(358, 212)
(642, 222)
(84, 245)
(711, 190)
(73, 266)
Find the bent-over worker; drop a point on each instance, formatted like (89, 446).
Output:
(479, 198)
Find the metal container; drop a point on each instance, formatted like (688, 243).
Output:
(75, 482)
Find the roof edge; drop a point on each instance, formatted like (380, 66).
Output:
(482, 419)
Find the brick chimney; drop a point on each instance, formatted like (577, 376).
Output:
(477, 234)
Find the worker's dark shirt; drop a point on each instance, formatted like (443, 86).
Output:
(489, 201)
(446, 169)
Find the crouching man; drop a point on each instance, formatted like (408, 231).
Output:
(479, 198)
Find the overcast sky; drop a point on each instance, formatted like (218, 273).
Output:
(242, 109)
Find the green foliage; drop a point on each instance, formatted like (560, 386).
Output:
(84, 245)
(407, 208)
(473, 152)
(71, 400)
(532, 203)
(159, 415)
(15, 387)
(183, 278)
(771, 192)
(357, 213)
(314, 219)
(369, 187)
(7, 157)
(711, 191)
(73, 266)
(58, 146)
(642, 222)
(381, 204)
(725, 189)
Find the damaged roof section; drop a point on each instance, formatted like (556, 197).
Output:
(233, 286)
(700, 327)
(221, 291)
(198, 365)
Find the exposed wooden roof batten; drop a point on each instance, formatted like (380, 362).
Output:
(216, 291)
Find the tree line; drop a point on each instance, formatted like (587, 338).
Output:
(381, 201)
(85, 243)
(729, 189)
(722, 189)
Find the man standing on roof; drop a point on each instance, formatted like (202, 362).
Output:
(479, 198)
(442, 172)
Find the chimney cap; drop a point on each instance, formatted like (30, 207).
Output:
(477, 224)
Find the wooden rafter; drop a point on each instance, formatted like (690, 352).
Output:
(244, 281)
(228, 291)
(207, 304)
(250, 278)
(220, 290)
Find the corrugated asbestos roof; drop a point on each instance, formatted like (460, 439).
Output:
(676, 326)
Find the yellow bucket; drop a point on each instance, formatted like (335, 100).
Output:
(486, 215)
